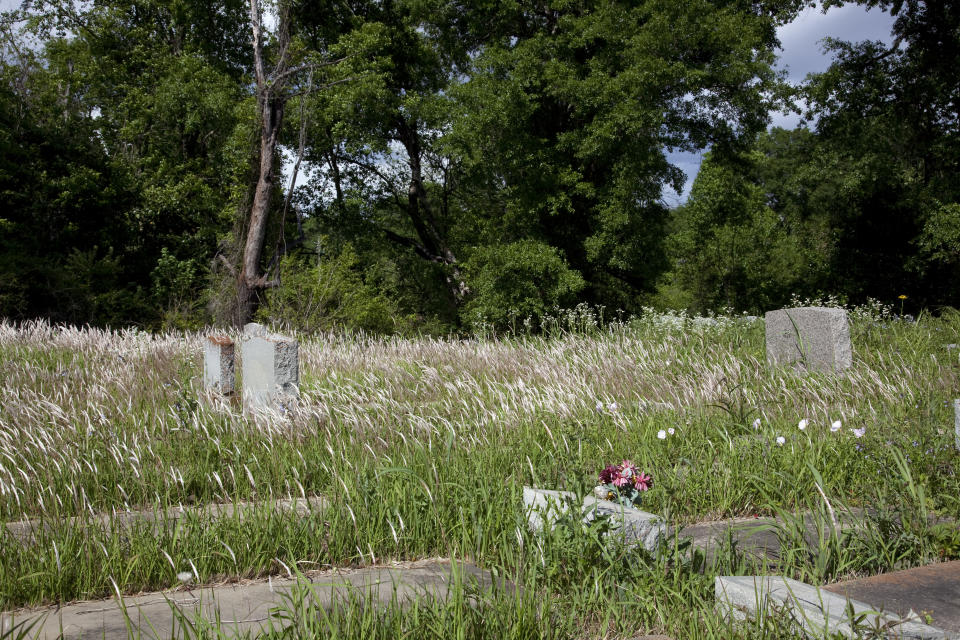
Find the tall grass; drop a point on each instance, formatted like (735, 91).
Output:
(422, 447)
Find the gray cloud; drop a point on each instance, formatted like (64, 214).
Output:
(802, 50)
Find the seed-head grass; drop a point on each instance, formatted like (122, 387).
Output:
(422, 446)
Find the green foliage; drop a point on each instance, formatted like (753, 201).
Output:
(564, 123)
(890, 115)
(940, 238)
(329, 294)
(115, 136)
(733, 246)
(175, 286)
(421, 449)
(90, 285)
(480, 160)
(522, 279)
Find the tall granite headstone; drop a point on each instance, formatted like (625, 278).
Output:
(809, 338)
(270, 366)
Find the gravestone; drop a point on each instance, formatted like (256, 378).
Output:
(631, 526)
(218, 364)
(254, 329)
(810, 338)
(956, 423)
(270, 366)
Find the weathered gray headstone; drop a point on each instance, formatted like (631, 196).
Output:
(810, 338)
(270, 366)
(545, 506)
(219, 373)
(956, 423)
(631, 526)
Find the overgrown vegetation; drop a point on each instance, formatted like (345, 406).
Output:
(423, 446)
(467, 162)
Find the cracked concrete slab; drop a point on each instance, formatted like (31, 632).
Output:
(818, 612)
(248, 607)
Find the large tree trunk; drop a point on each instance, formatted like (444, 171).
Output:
(252, 281)
(420, 212)
(271, 101)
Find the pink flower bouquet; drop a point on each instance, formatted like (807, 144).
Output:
(624, 483)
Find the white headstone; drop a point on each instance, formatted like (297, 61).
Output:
(270, 366)
(630, 526)
(810, 338)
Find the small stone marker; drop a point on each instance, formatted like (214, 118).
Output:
(218, 365)
(956, 423)
(632, 526)
(270, 365)
(811, 338)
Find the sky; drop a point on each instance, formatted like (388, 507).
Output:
(801, 53)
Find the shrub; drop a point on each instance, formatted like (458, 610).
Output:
(520, 279)
(331, 294)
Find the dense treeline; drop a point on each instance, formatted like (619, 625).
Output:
(459, 163)
(865, 203)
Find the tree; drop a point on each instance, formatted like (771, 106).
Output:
(380, 139)
(568, 113)
(138, 101)
(537, 130)
(755, 229)
(271, 100)
(893, 114)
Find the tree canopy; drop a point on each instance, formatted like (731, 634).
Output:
(460, 163)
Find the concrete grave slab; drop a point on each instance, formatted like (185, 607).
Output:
(248, 607)
(933, 590)
(219, 372)
(271, 368)
(818, 612)
(809, 338)
(758, 538)
(29, 531)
